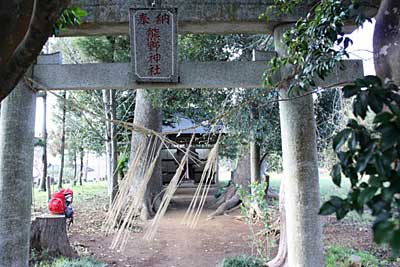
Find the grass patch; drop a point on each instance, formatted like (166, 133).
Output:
(241, 261)
(337, 256)
(82, 193)
(64, 262)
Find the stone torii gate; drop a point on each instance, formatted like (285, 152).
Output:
(219, 17)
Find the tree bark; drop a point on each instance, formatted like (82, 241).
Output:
(387, 41)
(281, 259)
(62, 148)
(49, 233)
(255, 162)
(86, 167)
(75, 168)
(254, 158)
(254, 147)
(23, 34)
(17, 125)
(81, 155)
(241, 176)
(14, 29)
(300, 166)
(150, 117)
(108, 138)
(114, 147)
(48, 187)
(44, 136)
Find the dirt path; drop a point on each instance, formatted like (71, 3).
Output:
(204, 246)
(175, 245)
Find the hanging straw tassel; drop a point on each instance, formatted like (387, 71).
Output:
(129, 200)
(196, 206)
(170, 191)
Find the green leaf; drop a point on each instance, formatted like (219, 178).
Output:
(395, 243)
(366, 195)
(327, 209)
(373, 80)
(341, 213)
(383, 117)
(360, 105)
(336, 174)
(340, 139)
(390, 135)
(364, 159)
(350, 90)
(383, 231)
(375, 104)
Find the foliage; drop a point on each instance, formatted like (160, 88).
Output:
(369, 158)
(229, 107)
(254, 210)
(123, 164)
(336, 256)
(70, 17)
(242, 261)
(316, 44)
(64, 262)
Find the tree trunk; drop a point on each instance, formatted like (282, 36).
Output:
(281, 258)
(150, 117)
(86, 167)
(254, 147)
(17, 124)
(108, 138)
(48, 188)
(23, 34)
(49, 233)
(43, 182)
(387, 41)
(255, 162)
(114, 147)
(81, 155)
(62, 149)
(75, 168)
(302, 196)
(254, 158)
(241, 176)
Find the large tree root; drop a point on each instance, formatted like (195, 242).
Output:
(226, 206)
(281, 259)
(49, 232)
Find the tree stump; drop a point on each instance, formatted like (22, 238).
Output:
(49, 232)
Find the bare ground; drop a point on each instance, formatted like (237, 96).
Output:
(204, 246)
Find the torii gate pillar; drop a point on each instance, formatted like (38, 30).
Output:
(301, 179)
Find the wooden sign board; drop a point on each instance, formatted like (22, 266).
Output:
(154, 44)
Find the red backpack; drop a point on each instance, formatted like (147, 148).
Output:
(60, 202)
(57, 203)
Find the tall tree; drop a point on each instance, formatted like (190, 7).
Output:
(149, 116)
(110, 49)
(17, 125)
(81, 156)
(114, 146)
(62, 146)
(43, 181)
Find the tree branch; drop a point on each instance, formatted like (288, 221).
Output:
(45, 16)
